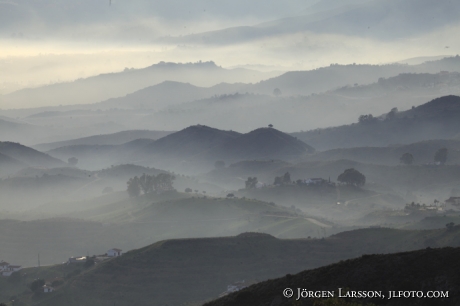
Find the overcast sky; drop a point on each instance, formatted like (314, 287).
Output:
(47, 41)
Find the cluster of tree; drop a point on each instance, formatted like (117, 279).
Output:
(37, 285)
(439, 157)
(367, 119)
(283, 180)
(150, 183)
(352, 177)
(251, 183)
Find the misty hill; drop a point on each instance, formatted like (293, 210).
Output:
(29, 156)
(334, 76)
(423, 153)
(153, 274)
(330, 108)
(105, 86)
(378, 19)
(263, 143)
(145, 220)
(168, 94)
(9, 165)
(110, 139)
(191, 141)
(438, 119)
(195, 148)
(368, 273)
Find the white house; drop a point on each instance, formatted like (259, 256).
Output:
(114, 252)
(48, 289)
(73, 260)
(6, 269)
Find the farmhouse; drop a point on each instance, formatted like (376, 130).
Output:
(114, 252)
(6, 269)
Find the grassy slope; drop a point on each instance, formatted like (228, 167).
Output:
(192, 270)
(133, 223)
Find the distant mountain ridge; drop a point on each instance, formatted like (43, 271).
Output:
(104, 86)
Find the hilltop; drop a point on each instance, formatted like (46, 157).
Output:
(394, 272)
(192, 149)
(262, 143)
(153, 274)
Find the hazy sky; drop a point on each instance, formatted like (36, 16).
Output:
(47, 41)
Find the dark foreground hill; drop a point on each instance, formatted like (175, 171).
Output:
(178, 272)
(424, 270)
(437, 119)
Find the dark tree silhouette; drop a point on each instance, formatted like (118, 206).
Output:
(251, 183)
(282, 180)
(441, 156)
(352, 177)
(188, 190)
(134, 188)
(277, 92)
(37, 285)
(407, 159)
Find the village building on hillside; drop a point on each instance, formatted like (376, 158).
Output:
(75, 260)
(114, 252)
(48, 289)
(6, 269)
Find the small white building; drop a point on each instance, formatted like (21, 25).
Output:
(6, 269)
(74, 260)
(114, 252)
(48, 289)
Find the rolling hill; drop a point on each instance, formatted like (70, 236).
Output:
(116, 220)
(192, 149)
(108, 139)
(263, 143)
(29, 156)
(423, 153)
(201, 269)
(437, 119)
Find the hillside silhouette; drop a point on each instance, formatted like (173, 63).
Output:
(437, 119)
(394, 272)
